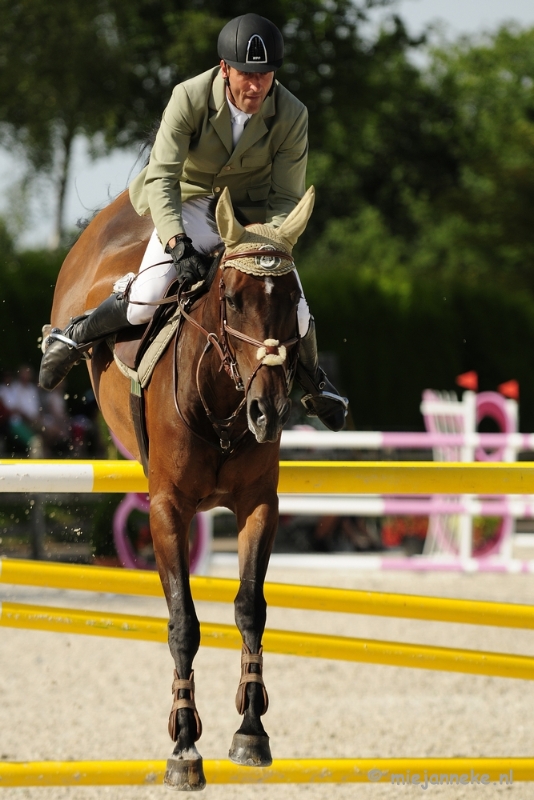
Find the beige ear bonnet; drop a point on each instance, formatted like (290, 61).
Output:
(262, 238)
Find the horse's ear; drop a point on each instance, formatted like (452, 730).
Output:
(230, 229)
(292, 227)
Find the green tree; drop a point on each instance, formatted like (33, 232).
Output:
(444, 180)
(482, 227)
(58, 77)
(105, 68)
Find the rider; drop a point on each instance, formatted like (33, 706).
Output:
(233, 126)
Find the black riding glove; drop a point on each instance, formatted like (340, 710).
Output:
(188, 263)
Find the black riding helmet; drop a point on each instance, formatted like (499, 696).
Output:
(251, 43)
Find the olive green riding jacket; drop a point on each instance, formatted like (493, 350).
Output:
(193, 156)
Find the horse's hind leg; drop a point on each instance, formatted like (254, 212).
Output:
(250, 745)
(170, 532)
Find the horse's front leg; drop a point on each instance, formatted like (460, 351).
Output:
(257, 528)
(169, 522)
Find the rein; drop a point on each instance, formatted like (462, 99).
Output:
(268, 348)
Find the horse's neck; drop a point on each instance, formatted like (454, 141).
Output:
(212, 309)
(209, 313)
(216, 386)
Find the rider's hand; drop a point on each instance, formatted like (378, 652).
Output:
(189, 264)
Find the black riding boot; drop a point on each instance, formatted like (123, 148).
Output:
(65, 348)
(322, 399)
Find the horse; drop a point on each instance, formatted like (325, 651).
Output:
(209, 445)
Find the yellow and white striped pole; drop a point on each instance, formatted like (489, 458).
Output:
(296, 477)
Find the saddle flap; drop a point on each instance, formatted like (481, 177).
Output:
(127, 344)
(133, 343)
(161, 317)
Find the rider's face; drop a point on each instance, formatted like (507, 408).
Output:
(249, 89)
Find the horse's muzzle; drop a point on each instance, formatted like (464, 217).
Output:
(266, 418)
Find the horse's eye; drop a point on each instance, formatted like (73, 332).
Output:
(231, 302)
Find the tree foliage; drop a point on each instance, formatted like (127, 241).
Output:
(59, 76)
(424, 175)
(447, 180)
(487, 216)
(106, 69)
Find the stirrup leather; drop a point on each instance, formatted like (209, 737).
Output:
(248, 658)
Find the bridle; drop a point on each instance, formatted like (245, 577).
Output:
(221, 343)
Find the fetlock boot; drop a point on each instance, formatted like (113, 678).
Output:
(65, 348)
(322, 399)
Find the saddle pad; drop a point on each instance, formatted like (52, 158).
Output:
(152, 355)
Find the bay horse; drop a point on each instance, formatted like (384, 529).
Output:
(209, 445)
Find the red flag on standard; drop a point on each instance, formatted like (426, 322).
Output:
(468, 380)
(509, 389)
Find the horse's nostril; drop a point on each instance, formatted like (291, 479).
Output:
(256, 414)
(266, 418)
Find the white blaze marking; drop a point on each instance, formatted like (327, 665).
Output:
(268, 285)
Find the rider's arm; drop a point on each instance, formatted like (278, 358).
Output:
(162, 181)
(288, 175)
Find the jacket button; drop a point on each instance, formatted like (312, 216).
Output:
(217, 189)
(228, 168)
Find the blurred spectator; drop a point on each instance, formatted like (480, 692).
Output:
(85, 428)
(56, 423)
(334, 533)
(41, 424)
(21, 402)
(4, 411)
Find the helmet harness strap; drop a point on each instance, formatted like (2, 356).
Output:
(227, 82)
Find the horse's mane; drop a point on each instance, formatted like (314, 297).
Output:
(212, 272)
(83, 222)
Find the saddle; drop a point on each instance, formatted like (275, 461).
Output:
(136, 352)
(137, 349)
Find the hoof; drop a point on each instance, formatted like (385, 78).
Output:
(185, 774)
(250, 751)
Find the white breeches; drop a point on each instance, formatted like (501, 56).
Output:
(157, 271)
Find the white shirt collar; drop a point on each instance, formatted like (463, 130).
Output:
(239, 117)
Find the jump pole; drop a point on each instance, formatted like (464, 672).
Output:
(311, 598)
(398, 771)
(378, 440)
(296, 477)
(308, 645)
